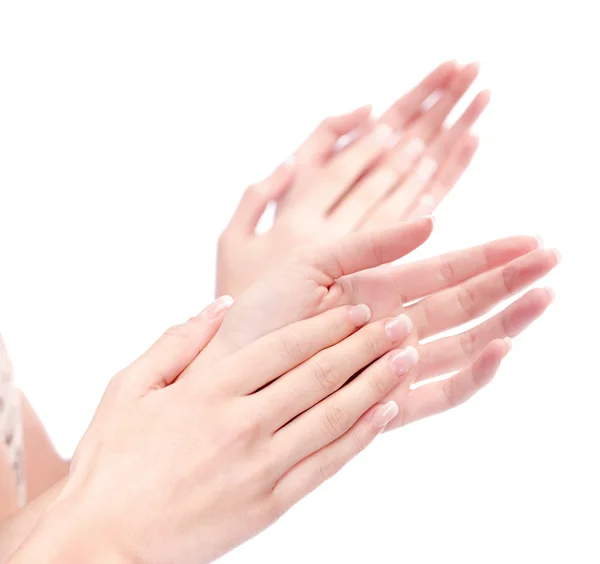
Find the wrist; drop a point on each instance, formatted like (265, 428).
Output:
(70, 532)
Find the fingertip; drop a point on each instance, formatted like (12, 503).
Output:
(359, 314)
(218, 308)
(557, 256)
(540, 241)
(551, 293)
(383, 414)
(485, 96)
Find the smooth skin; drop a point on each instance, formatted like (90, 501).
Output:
(231, 449)
(284, 384)
(437, 294)
(399, 166)
(324, 192)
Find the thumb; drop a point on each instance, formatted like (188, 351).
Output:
(166, 359)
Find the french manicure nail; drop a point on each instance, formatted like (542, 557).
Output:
(404, 360)
(413, 148)
(426, 169)
(385, 413)
(215, 309)
(399, 327)
(359, 314)
(509, 343)
(557, 255)
(430, 218)
(382, 133)
(551, 292)
(540, 241)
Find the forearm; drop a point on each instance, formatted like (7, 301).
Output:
(17, 528)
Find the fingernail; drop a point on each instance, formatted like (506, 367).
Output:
(382, 133)
(426, 205)
(426, 169)
(551, 292)
(216, 309)
(557, 255)
(399, 327)
(413, 148)
(540, 241)
(359, 314)
(346, 139)
(404, 360)
(430, 218)
(385, 413)
(509, 343)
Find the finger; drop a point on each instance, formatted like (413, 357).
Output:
(404, 197)
(329, 370)
(474, 297)
(445, 142)
(389, 288)
(434, 117)
(321, 142)
(444, 356)
(342, 170)
(360, 251)
(357, 205)
(166, 359)
(276, 353)
(437, 397)
(403, 109)
(335, 415)
(311, 472)
(428, 276)
(446, 177)
(257, 196)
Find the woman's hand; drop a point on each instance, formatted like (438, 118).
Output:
(400, 166)
(437, 294)
(183, 469)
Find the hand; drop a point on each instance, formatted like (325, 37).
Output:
(400, 166)
(182, 470)
(452, 289)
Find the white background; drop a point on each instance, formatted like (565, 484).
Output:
(128, 130)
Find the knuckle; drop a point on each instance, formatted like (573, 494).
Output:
(292, 347)
(510, 277)
(447, 271)
(468, 344)
(326, 470)
(467, 300)
(361, 441)
(448, 391)
(334, 421)
(180, 331)
(380, 380)
(325, 374)
(373, 342)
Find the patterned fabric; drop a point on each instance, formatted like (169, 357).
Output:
(11, 425)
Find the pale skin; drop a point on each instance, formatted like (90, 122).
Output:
(324, 194)
(498, 254)
(399, 166)
(452, 290)
(315, 280)
(252, 428)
